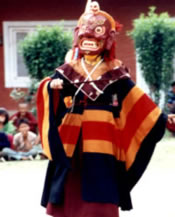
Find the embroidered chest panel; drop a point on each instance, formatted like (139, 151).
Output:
(92, 88)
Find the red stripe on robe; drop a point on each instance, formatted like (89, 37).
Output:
(134, 121)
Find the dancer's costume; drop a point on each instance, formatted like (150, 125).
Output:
(99, 133)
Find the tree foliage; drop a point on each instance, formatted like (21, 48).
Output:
(44, 50)
(154, 37)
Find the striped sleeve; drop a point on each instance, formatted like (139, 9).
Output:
(49, 104)
(141, 125)
(43, 115)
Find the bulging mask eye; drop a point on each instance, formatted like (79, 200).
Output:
(100, 30)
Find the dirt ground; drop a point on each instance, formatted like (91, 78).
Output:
(21, 186)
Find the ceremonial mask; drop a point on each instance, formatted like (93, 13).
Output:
(95, 32)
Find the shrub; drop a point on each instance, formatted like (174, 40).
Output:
(44, 50)
(154, 37)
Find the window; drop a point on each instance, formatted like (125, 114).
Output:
(16, 74)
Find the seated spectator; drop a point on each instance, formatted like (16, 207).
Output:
(23, 113)
(7, 129)
(171, 99)
(6, 126)
(171, 107)
(41, 154)
(4, 141)
(24, 143)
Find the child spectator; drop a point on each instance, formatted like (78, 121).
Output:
(23, 113)
(24, 143)
(6, 126)
(7, 129)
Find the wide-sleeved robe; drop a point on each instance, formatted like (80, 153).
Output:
(117, 123)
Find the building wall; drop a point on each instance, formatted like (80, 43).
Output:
(40, 10)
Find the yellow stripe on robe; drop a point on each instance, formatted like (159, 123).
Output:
(45, 127)
(98, 146)
(140, 134)
(98, 115)
(72, 119)
(69, 149)
(103, 147)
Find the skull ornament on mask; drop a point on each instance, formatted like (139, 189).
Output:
(95, 31)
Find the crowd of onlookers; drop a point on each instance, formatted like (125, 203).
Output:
(19, 138)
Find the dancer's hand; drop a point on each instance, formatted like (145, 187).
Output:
(56, 83)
